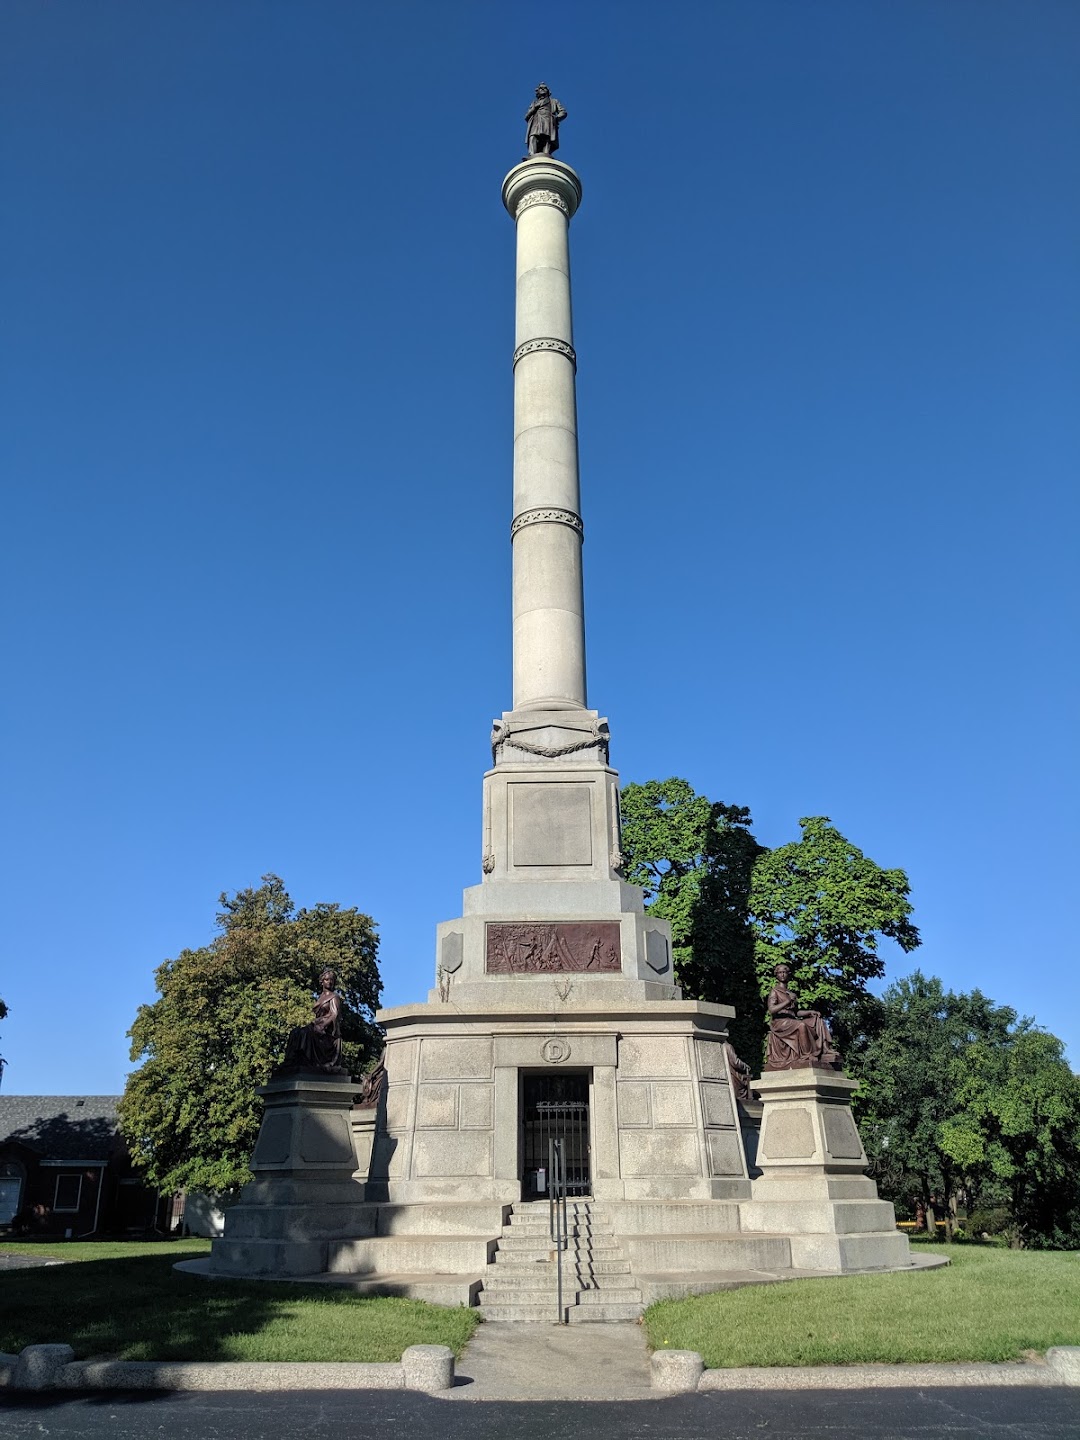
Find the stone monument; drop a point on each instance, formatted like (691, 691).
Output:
(554, 1010)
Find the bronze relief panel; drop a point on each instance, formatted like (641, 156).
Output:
(544, 948)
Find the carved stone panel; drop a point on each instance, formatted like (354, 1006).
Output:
(475, 1107)
(841, 1136)
(325, 1139)
(272, 1146)
(725, 1157)
(436, 1107)
(716, 1103)
(789, 1135)
(551, 824)
(546, 948)
(456, 1058)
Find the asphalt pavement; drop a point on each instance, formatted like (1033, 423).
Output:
(968, 1414)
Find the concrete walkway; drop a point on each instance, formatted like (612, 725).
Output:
(611, 1362)
(555, 1362)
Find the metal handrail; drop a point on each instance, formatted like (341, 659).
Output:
(557, 1227)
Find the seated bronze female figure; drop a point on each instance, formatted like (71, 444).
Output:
(315, 1049)
(797, 1038)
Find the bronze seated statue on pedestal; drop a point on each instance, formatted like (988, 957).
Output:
(315, 1049)
(798, 1039)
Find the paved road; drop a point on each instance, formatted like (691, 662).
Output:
(26, 1262)
(373, 1415)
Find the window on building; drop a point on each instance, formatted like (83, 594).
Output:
(11, 1184)
(68, 1192)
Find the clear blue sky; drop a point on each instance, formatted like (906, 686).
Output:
(258, 317)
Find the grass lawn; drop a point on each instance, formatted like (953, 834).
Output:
(989, 1304)
(131, 1305)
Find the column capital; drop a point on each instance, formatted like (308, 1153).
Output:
(541, 180)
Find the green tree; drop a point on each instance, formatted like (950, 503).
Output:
(1018, 1120)
(189, 1113)
(694, 858)
(820, 905)
(912, 1070)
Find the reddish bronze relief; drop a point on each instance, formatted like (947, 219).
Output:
(532, 948)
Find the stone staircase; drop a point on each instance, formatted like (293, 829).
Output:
(522, 1283)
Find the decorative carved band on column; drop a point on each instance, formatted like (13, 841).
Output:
(544, 514)
(546, 342)
(542, 197)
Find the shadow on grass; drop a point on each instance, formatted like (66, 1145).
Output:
(142, 1309)
(136, 1309)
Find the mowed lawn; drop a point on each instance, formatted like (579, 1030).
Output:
(131, 1305)
(989, 1304)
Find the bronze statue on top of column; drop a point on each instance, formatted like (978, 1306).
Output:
(543, 117)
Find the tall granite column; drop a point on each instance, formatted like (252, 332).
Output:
(549, 617)
(553, 899)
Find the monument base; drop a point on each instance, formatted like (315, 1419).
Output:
(812, 1185)
(305, 1192)
(647, 1081)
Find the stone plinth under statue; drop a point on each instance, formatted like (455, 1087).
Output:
(554, 1012)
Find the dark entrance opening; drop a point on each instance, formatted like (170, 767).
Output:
(555, 1107)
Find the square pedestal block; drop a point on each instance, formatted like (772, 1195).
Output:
(813, 1187)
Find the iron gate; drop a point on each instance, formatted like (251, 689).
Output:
(556, 1107)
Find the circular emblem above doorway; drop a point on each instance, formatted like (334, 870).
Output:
(555, 1050)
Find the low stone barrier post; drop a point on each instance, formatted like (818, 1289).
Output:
(1064, 1363)
(429, 1368)
(38, 1366)
(676, 1370)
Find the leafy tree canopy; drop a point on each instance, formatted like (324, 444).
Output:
(820, 905)
(694, 858)
(912, 1070)
(219, 1025)
(1017, 1119)
(737, 909)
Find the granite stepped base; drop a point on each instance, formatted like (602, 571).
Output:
(522, 1283)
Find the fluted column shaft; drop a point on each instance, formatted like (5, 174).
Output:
(549, 614)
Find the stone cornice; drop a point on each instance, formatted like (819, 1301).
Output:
(541, 180)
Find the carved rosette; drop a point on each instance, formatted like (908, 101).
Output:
(549, 343)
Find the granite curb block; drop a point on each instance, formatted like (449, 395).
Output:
(427, 1368)
(677, 1371)
(683, 1370)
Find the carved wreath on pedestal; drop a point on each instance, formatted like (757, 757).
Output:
(503, 734)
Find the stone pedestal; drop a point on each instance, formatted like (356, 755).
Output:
(662, 1120)
(813, 1184)
(304, 1193)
